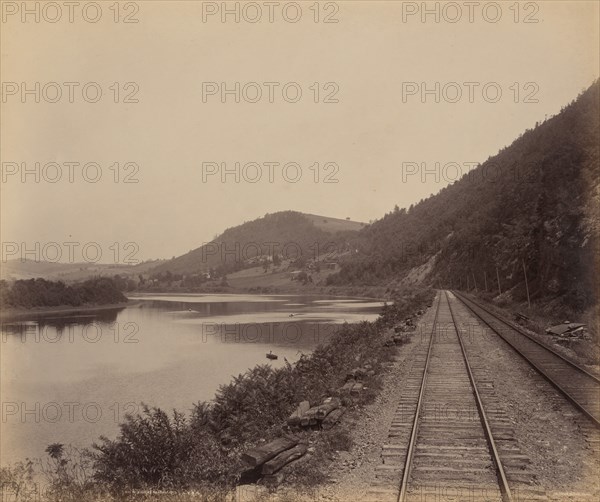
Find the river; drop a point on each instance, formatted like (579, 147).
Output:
(71, 378)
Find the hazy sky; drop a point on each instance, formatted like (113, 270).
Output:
(368, 57)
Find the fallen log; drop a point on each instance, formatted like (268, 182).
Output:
(333, 418)
(296, 417)
(261, 454)
(347, 386)
(310, 417)
(356, 373)
(400, 339)
(273, 480)
(357, 388)
(327, 408)
(284, 458)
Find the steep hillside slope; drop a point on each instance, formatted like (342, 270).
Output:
(534, 205)
(287, 235)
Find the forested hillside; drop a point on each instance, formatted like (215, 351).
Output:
(287, 235)
(534, 203)
(34, 293)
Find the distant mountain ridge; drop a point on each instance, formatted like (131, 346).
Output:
(531, 209)
(69, 272)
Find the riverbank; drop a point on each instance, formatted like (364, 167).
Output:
(380, 293)
(350, 471)
(204, 447)
(545, 427)
(20, 314)
(135, 295)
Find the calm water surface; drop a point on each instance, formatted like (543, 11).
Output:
(70, 379)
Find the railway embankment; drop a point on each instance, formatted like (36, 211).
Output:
(550, 455)
(583, 349)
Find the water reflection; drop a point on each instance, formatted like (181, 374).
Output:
(45, 323)
(165, 352)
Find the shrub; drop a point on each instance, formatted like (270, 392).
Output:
(16, 482)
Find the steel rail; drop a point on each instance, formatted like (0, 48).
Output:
(551, 380)
(503, 481)
(518, 329)
(415, 427)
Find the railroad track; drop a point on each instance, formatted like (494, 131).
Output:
(442, 444)
(578, 385)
